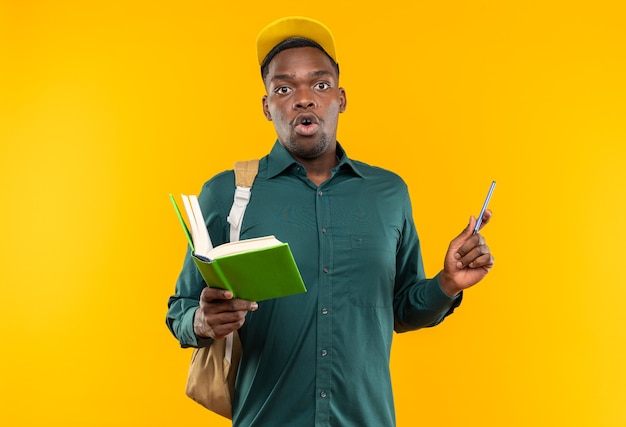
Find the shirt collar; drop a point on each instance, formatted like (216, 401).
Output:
(279, 160)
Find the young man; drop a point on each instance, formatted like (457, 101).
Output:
(320, 358)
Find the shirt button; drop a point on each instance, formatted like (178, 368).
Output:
(324, 311)
(325, 269)
(323, 394)
(324, 230)
(319, 194)
(324, 353)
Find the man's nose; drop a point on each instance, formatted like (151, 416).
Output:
(304, 100)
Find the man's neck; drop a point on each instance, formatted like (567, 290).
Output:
(320, 168)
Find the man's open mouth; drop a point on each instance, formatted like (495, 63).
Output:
(306, 124)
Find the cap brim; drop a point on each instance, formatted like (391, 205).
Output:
(294, 26)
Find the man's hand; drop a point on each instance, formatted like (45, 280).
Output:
(468, 259)
(219, 314)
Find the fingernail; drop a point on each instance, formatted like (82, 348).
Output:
(254, 306)
(459, 264)
(457, 256)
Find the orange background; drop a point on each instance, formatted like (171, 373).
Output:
(108, 106)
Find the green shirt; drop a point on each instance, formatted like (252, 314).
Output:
(321, 358)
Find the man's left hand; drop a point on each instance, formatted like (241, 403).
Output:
(468, 259)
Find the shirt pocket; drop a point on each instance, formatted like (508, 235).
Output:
(373, 268)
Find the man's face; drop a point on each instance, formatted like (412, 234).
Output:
(304, 101)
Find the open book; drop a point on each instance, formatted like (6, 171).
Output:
(253, 269)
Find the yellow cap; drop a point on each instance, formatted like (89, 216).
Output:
(294, 26)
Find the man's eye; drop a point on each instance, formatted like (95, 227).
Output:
(322, 85)
(283, 90)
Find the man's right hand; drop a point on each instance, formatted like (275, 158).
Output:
(219, 314)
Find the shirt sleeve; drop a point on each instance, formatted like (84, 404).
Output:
(419, 302)
(186, 299)
(183, 304)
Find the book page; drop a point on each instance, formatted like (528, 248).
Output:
(241, 246)
(203, 240)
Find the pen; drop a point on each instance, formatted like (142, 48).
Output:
(479, 220)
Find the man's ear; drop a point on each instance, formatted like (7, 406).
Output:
(343, 100)
(266, 109)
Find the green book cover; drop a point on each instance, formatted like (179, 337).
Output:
(182, 223)
(255, 275)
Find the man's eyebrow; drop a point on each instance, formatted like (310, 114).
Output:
(319, 73)
(283, 76)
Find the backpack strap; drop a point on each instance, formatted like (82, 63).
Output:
(245, 172)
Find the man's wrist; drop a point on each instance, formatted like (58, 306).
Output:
(199, 328)
(448, 286)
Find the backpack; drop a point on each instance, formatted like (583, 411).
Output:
(213, 369)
